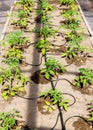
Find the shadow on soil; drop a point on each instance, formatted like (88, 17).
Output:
(31, 118)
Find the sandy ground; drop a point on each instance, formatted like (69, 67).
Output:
(28, 108)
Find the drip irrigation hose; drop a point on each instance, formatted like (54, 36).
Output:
(33, 98)
(66, 80)
(71, 96)
(78, 117)
(53, 87)
(55, 123)
(36, 64)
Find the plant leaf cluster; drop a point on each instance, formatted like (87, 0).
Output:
(66, 2)
(13, 82)
(73, 37)
(52, 67)
(24, 13)
(56, 97)
(85, 78)
(8, 120)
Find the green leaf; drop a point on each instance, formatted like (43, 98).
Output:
(21, 89)
(6, 97)
(43, 51)
(47, 103)
(65, 107)
(12, 93)
(51, 72)
(47, 76)
(64, 54)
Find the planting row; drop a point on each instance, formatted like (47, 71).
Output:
(12, 79)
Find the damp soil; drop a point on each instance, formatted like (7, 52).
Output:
(85, 90)
(78, 61)
(41, 104)
(82, 125)
(38, 77)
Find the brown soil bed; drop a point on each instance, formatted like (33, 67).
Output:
(78, 61)
(85, 90)
(41, 104)
(38, 77)
(82, 125)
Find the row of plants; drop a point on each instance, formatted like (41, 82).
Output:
(74, 48)
(13, 80)
(52, 66)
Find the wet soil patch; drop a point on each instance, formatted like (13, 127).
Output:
(78, 61)
(82, 125)
(41, 104)
(85, 90)
(61, 48)
(38, 77)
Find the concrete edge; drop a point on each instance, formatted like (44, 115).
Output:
(7, 22)
(86, 22)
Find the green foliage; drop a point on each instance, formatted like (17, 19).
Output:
(45, 5)
(45, 19)
(90, 119)
(26, 2)
(73, 26)
(22, 13)
(69, 53)
(13, 82)
(8, 120)
(70, 13)
(13, 57)
(52, 67)
(85, 78)
(22, 23)
(74, 38)
(47, 31)
(42, 45)
(66, 2)
(56, 97)
(16, 39)
(49, 106)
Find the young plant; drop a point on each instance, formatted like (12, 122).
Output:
(46, 6)
(22, 23)
(73, 38)
(43, 45)
(56, 97)
(73, 26)
(16, 39)
(47, 31)
(26, 2)
(23, 14)
(66, 2)
(8, 120)
(70, 13)
(13, 57)
(90, 119)
(85, 78)
(12, 81)
(49, 106)
(52, 67)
